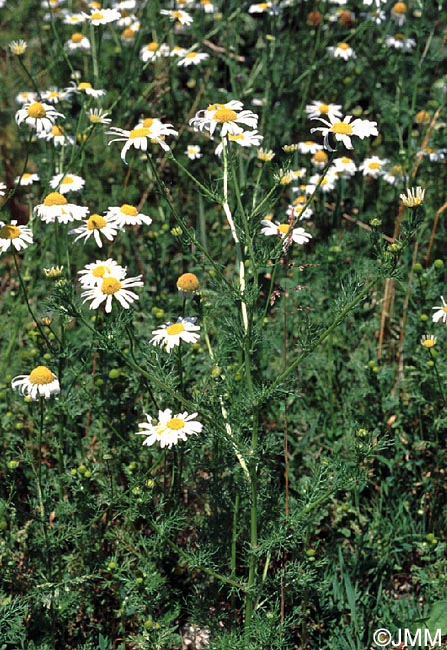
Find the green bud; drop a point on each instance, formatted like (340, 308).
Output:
(111, 566)
(150, 483)
(430, 363)
(417, 268)
(82, 469)
(423, 317)
(438, 264)
(13, 464)
(310, 552)
(114, 373)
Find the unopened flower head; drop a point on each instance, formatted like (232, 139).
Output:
(413, 197)
(40, 383)
(15, 236)
(187, 284)
(171, 334)
(169, 429)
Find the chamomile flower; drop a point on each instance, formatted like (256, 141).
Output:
(243, 139)
(178, 16)
(26, 179)
(342, 131)
(64, 183)
(309, 146)
(41, 382)
(373, 166)
(170, 334)
(398, 13)
(26, 97)
(98, 116)
(78, 42)
(342, 51)
(93, 274)
(188, 284)
(102, 16)
(320, 159)
(413, 197)
(229, 117)
(440, 316)
(38, 116)
(96, 225)
(399, 42)
(207, 6)
(263, 8)
(58, 136)
(325, 183)
(297, 209)
(74, 19)
(13, 235)
(395, 175)
(428, 341)
(265, 155)
(316, 109)
(127, 215)
(152, 130)
(169, 429)
(193, 58)
(344, 167)
(110, 287)
(285, 232)
(87, 88)
(55, 95)
(55, 207)
(18, 47)
(193, 152)
(153, 51)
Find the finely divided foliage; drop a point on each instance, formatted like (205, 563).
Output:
(221, 240)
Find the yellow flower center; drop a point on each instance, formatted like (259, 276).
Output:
(152, 47)
(422, 117)
(41, 375)
(428, 343)
(342, 128)
(96, 222)
(129, 210)
(128, 34)
(67, 180)
(77, 37)
(36, 110)
(444, 308)
(54, 198)
(9, 231)
(346, 161)
(110, 286)
(300, 200)
(374, 165)
(148, 122)
(399, 8)
(188, 282)
(141, 132)
(97, 16)
(191, 55)
(57, 131)
(399, 37)
(84, 85)
(224, 115)
(236, 137)
(320, 156)
(177, 14)
(100, 271)
(343, 46)
(177, 328)
(26, 176)
(323, 108)
(175, 424)
(283, 228)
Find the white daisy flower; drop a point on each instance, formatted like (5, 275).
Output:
(102, 16)
(344, 167)
(263, 8)
(325, 184)
(38, 116)
(26, 97)
(54, 95)
(413, 197)
(373, 166)
(73, 19)
(193, 152)
(207, 6)
(111, 287)
(41, 382)
(18, 47)
(193, 58)
(96, 226)
(78, 42)
(309, 146)
(243, 139)
(169, 429)
(55, 207)
(395, 175)
(344, 130)
(64, 183)
(265, 155)
(342, 51)
(153, 51)
(152, 131)
(297, 210)
(57, 136)
(171, 334)
(398, 13)
(285, 232)
(98, 116)
(178, 16)
(93, 274)
(317, 109)
(399, 42)
(87, 88)
(441, 314)
(26, 179)
(127, 215)
(178, 51)
(228, 116)
(13, 235)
